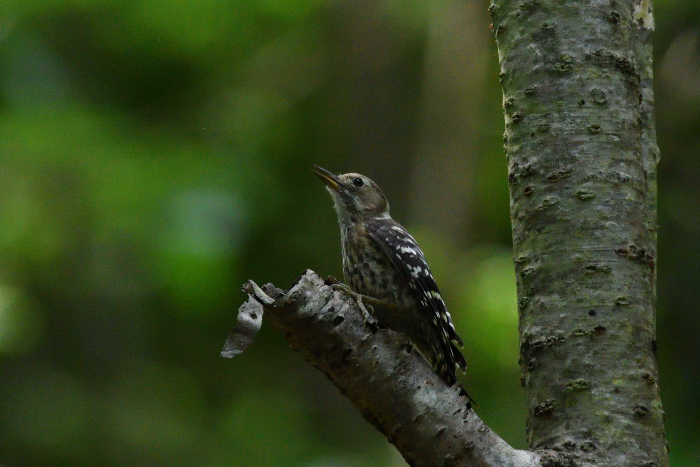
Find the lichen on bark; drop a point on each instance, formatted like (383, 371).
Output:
(582, 155)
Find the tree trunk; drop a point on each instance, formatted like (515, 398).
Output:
(582, 157)
(581, 150)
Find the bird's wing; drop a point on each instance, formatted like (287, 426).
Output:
(407, 257)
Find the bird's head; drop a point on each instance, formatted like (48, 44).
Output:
(354, 195)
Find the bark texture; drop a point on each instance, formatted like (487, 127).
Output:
(377, 370)
(582, 156)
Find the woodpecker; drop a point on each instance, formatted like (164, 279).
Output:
(383, 264)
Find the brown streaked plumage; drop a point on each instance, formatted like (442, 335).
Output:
(383, 261)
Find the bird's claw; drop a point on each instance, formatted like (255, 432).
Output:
(357, 298)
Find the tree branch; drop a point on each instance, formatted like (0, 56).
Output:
(378, 371)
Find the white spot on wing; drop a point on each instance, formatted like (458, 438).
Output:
(415, 271)
(408, 249)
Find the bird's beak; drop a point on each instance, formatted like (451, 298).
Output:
(328, 178)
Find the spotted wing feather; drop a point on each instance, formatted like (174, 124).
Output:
(407, 257)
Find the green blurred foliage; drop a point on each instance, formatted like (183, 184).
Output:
(155, 154)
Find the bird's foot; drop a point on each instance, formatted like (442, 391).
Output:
(358, 298)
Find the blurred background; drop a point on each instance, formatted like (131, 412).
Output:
(155, 154)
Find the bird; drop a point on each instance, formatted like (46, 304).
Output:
(383, 266)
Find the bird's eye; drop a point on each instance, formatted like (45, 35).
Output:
(357, 181)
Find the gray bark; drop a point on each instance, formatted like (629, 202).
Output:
(376, 369)
(582, 157)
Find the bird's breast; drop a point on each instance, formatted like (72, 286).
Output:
(369, 271)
